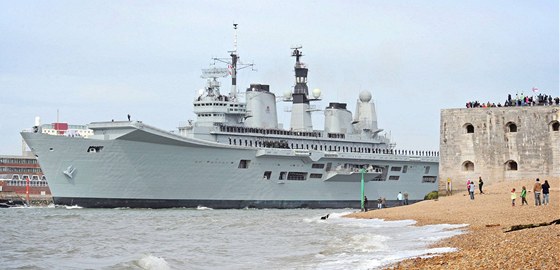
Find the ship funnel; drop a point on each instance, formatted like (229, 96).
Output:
(261, 107)
(37, 121)
(366, 117)
(338, 120)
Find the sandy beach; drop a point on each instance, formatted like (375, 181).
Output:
(486, 245)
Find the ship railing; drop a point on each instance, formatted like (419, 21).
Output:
(352, 170)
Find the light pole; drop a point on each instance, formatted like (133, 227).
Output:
(362, 171)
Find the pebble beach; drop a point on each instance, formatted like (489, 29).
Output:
(486, 245)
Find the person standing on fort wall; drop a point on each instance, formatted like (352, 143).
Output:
(545, 192)
(480, 183)
(537, 188)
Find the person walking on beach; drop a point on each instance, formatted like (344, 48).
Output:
(545, 192)
(449, 191)
(513, 197)
(537, 188)
(524, 196)
(405, 198)
(379, 203)
(400, 198)
(468, 186)
(480, 183)
(365, 203)
(471, 190)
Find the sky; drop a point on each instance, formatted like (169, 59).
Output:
(101, 60)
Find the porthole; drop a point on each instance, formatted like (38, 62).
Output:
(468, 166)
(511, 127)
(469, 128)
(511, 165)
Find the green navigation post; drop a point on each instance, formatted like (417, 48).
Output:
(362, 171)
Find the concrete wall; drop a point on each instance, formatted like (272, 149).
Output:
(535, 147)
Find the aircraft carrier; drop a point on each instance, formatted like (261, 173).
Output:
(236, 154)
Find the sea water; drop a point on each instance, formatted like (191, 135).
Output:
(76, 238)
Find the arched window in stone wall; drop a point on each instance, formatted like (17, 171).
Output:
(511, 127)
(468, 166)
(469, 128)
(511, 165)
(554, 126)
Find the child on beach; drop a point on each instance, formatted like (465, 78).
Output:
(513, 197)
(524, 196)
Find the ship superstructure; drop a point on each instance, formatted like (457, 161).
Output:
(237, 155)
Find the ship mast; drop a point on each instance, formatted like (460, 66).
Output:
(234, 58)
(301, 111)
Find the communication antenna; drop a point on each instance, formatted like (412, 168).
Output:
(234, 64)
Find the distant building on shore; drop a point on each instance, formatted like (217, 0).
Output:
(22, 174)
(499, 144)
(60, 129)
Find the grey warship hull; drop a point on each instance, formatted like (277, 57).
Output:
(141, 166)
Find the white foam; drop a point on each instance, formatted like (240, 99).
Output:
(378, 243)
(75, 206)
(150, 262)
(200, 207)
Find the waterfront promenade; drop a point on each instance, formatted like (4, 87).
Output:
(486, 245)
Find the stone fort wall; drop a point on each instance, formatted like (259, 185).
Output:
(499, 144)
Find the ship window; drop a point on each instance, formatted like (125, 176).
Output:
(244, 164)
(511, 127)
(267, 175)
(317, 166)
(394, 177)
(555, 126)
(426, 169)
(405, 168)
(511, 165)
(395, 169)
(315, 175)
(429, 179)
(299, 176)
(468, 166)
(282, 176)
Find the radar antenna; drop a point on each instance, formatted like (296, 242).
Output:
(211, 75)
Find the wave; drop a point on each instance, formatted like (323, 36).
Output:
(150, 262)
